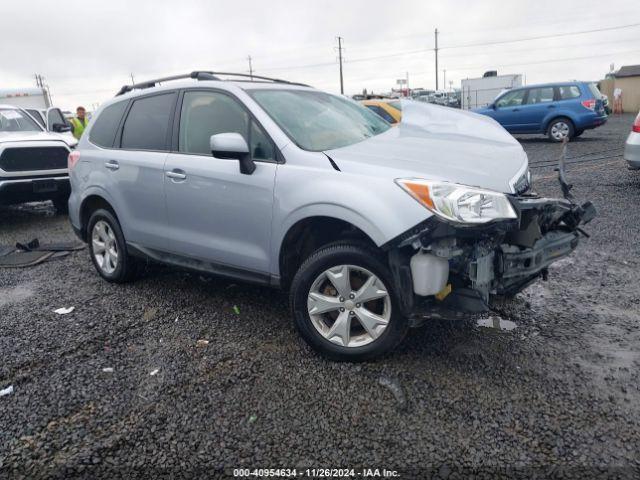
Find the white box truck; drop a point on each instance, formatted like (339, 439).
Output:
(480, 92)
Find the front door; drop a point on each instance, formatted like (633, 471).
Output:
(217, 214)
(507, 110)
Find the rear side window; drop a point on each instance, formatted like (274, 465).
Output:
(567, 92)
(103, 131)
(540, 95)
(147, 123)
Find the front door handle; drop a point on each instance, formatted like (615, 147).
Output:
(112, 165)
(515, 110)
(176, 174)
(551, 106)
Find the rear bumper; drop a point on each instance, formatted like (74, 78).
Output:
(498, 259)
(31, 189)
(592, 121)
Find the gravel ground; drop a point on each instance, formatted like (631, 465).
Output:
(558, 396)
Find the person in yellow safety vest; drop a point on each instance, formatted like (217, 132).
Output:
(79, 122)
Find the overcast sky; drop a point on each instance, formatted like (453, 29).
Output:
(87, 49)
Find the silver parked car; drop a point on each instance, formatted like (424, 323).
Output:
(369, 228)
(632, 146)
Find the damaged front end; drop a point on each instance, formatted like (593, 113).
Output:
(448, 270)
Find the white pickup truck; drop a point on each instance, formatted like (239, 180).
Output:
(33, 161)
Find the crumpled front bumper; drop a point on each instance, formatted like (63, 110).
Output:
(500, 258)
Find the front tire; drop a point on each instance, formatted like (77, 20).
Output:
(108, 248)
(559, 129)
(345, 305)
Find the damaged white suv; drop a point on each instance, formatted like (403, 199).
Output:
(367, 226)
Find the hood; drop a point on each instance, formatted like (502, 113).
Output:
(37, 137)
(439, 143)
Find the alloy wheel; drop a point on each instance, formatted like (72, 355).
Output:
(349, 305)
(105, 247)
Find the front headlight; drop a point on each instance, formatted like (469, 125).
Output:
(459, 203)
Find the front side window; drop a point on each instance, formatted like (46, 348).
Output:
(567, 92)
(540, 95)
(36, 115)
(14, 120)
(103, 131)
(147, 123)
(511, 99)
(204, 114)
(318, 121)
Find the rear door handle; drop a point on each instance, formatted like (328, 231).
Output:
(112, 165)
(176, 174)
(551, 106)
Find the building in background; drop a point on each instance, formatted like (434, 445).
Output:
(480, 92)
(627, 79)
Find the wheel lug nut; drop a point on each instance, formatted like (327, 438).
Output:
(352, 296)
(357, 305)
(351, 312)
(342, 299)
(342, 309)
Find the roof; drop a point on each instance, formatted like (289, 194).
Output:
(628, 71)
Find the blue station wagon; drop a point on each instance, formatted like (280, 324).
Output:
(558, 110)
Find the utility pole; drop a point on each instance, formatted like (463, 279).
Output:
(250, 67)
(444, 80)
(340, 60)
(436, 50)
(133, 82)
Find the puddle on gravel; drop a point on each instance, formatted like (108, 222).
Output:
(10, 296)
(496, 323)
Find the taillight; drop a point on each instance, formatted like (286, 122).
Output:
(636, 124)
(72, 159)
(590, 104)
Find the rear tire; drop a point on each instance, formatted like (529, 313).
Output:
(559, 129)
(108, 248)
(351, 290)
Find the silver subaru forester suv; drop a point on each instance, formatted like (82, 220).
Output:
(371, 228)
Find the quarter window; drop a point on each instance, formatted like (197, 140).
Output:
(511, 99)
(567, 92)
(147, 123)
(103, 131)
(540, 95)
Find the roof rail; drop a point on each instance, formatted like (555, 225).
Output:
(204, 75)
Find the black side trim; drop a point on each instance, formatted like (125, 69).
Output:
(202, 266)
(333, 164)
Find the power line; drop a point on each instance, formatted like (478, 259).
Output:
(540, 37)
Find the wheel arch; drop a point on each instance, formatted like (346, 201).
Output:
(309, 233)
(90, 204)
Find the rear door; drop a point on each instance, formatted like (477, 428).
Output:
(216, 213)
(539, 104)
(508, 108)
(135, 169)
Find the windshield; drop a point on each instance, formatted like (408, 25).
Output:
(13, 120)
(317, 121)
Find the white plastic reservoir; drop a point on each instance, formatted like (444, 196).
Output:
(430, 273)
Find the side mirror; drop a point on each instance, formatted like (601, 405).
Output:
(492, 106)
(232, 146)
(60, 128)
